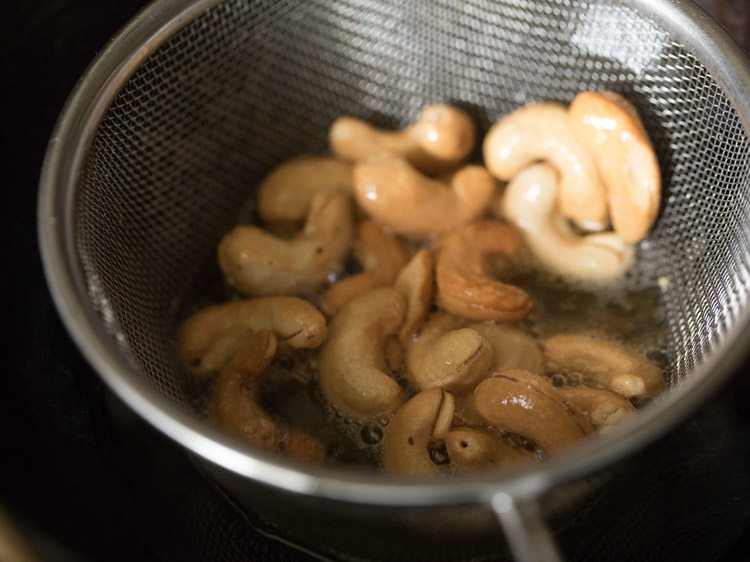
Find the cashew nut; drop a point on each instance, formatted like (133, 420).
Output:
(286, 193)
(351, 361)
(610, 128)
(604, 408)
(541, 132)
(528, 405)
(257, 263)
(447, 356)
(511, 347)
(530, 203)
(381, 256)
(464, 286)
(603, 364)
(471, 448)
(413, 428)
(235, 407)
(209, 338)
(441, 139)
(415, 281)
(395, 194)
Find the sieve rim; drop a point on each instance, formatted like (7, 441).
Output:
(686, 23)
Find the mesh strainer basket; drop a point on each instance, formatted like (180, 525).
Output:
(186, 110)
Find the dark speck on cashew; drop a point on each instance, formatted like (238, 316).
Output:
(471, 448)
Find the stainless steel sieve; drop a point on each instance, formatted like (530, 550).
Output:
(192, 103)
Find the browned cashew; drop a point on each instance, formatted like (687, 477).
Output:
(541, 132)
(471, 448)
(351, 360)
(528, 405)
(604, 408)
(603, 364)
(210, 337)
(511, 347)
(257, 263)
(286, 193)
(415, 426)
(441, 139)
(381, 256)
(610, 128)
(395, 194)
(447, 356)
(235, 407)
(464, 286)
(415, 281)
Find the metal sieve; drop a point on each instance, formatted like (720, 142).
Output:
(189, 106)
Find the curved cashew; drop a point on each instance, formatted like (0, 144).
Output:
(235, 407)
(286, 193)
(464, 286)
(470, 448)
(210, 337)
(604, 408)
(610, 128)
(603, 364)
(415, 281)
(413, 428)
(395, 194)
(511, 347)
(447, 356)
(530, 203)
(441, 139)
(257, 263)
(351, 361)
(541, 132)
(381, 256)
(528, 405)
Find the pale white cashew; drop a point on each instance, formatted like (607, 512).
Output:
(541, 132)
(530, 406)
(415, 281)
(381, 255)
(603, 364)
(464, 285)
(286, 193)
(603, 408)
(235, 406)
(471, 448)
(447, 356)
(442, 138)
(210, 337)
(530, 203)
(511, 347)
(415, 426)
(257, 263)
(611, 129)
(395, 194)
(352, 359)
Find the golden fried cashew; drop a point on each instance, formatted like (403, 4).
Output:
(415, 426)
(415, 281)
(210, 337)
(235, 407)
(286, 193)
(511, 347)
(381, 256)
(610, 128)
(352, 359)
(541, 132)
(530, 406)
(447, 356)
(256, 263)
(464, 286)
(603, 408)
(441, 139)
(471, 448)
(603, 364)
(529, 202)
(395, 194)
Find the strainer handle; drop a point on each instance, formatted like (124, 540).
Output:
(527, 534)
